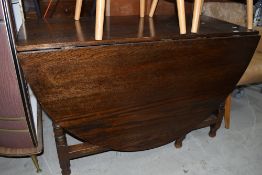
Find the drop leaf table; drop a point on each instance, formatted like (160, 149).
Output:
(131, 92)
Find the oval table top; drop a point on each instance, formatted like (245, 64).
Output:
(136, 94)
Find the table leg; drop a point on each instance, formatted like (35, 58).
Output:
(216, 126)
(179, 141)
(62, 149)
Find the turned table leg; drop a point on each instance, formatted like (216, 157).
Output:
(181, 16)
(196, 15)
(62, 149)
(216, 126)
(179, 142)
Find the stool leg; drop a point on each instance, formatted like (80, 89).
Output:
(202, 4)
(152, 27)
(196, 15)
(181, 16)
(100, 10)
(78, 9)
(250, 14)
(153, 8)
(141, 28)
(35, 161)
(142, 8)
(227, 112)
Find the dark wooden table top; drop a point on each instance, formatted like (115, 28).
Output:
(133, 90)
(57, 33)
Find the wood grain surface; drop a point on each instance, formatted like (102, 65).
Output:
(61, 33)
(137, 95)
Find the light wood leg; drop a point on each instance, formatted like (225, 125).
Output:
(35, 161)
(181, 16)
(142, 8)
(202, 4)
(141, 28)
(250, 14)
(78, 9)
(79, 31)
(152, 27)
(100, 10)
(196, 15)
(108, 8)
(227, 112)
(153, 8)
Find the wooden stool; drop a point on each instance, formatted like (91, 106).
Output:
(181, 13)
(198, 8)
(100, 9)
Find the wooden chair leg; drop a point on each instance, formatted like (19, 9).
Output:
(181, 16)
(100, 11)
(35, 161)
(227, 112)
(141, 28)
(153, 8)
(78, 9)
(250, 14)
(202, 5)
(142, 8)
(152, 27)
(79, 32)
(62, 149)
(196, 15)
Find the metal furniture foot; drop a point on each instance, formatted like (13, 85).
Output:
(36, 164)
